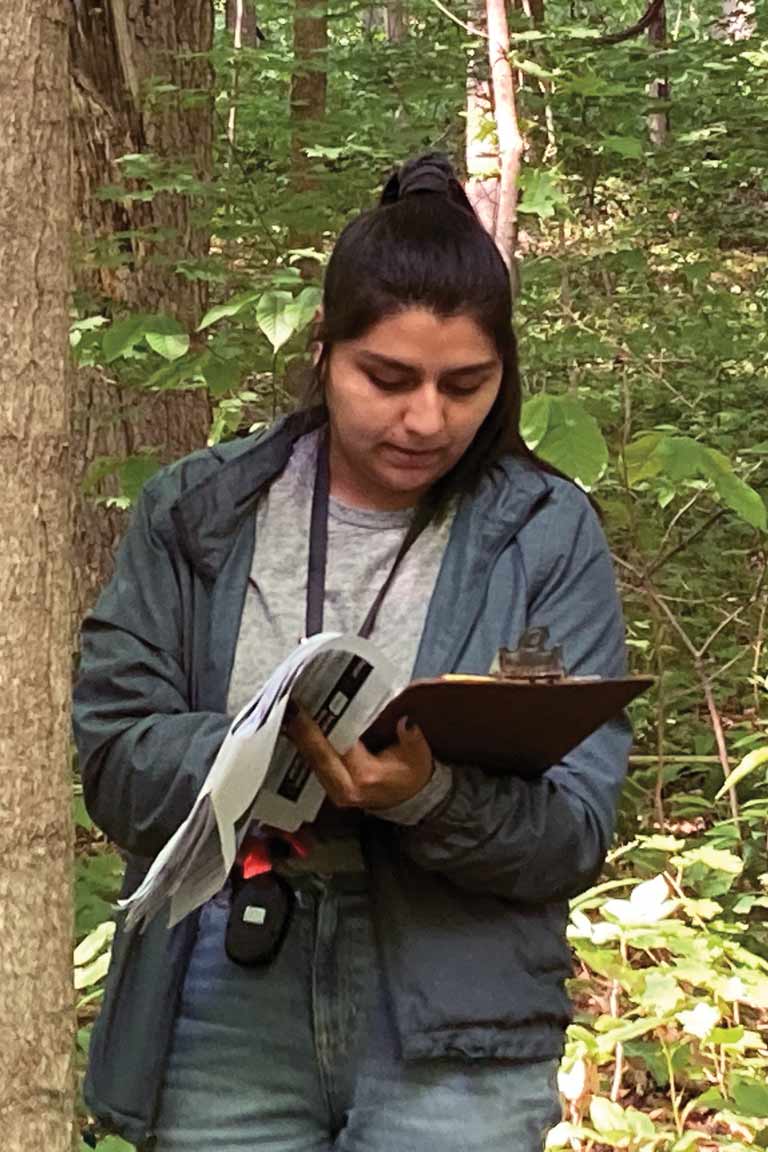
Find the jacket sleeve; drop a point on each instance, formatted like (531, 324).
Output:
(547, 839)
(143, 754)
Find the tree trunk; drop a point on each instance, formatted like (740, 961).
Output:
(36, 1001)
(308, 101)
(396, 21)
(508, 131)
(658, 122)
(116, 51)
(481, 153)
(242, 14)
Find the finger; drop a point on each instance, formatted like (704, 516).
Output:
(410, 737)
(314, 746)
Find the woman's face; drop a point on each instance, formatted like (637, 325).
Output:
(405, 401)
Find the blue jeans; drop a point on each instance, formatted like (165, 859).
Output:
(301, 1056)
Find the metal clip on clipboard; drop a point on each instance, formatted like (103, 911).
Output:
(532, 660)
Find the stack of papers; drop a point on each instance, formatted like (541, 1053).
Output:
(257, 776)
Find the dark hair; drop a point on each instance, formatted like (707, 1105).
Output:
(424, 246)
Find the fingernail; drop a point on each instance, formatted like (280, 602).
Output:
(411, 725)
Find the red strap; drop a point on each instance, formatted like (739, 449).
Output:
(255, 857)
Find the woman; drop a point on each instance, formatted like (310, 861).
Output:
(417, 1001)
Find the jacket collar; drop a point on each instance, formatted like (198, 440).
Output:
(208, 514)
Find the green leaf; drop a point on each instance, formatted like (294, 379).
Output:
(608, 1118)
(542, 193)
(750, 1096)
(221, 375)
(534, 419)
(304, 307)
(746, 767)
(661, 991)
(133, 473)
(230, 308)
(573, 441)
(710, 871)
(628, 146)
(94, 944)
(743, 500)
(123, 336)
(92, 973)
(166, 336)
(274, 317)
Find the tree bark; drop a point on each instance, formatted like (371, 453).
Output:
(508, 130)
(116, 52)
(396, 21)
(658, 122)
(308, 102)
(36, 1000)
(243, 12)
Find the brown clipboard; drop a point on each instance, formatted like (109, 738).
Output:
(510, 726)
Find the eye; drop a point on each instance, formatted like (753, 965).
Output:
(461, 390)
(386, 385)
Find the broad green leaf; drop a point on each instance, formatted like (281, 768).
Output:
(230, 308)
(94, 944)
(750, 1096)
(92, 973)
(751, 762)
(573, 441)
(166, 336)
(274, 317)
(531, 68)
(629, 146)
(221, 375)
(743, 500)
(534, 419)
(169, 345)
(608, 1117)
(133, 473)
(661, 991)
(123, 336)
(304, 307)
(710, 871)
(640, 458)
(542, 193)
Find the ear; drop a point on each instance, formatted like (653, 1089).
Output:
(317, 346)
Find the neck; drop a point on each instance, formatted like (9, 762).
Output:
(356, 491)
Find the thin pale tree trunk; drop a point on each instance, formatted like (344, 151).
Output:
(658, 122)
(36, 999)
(481, 154)
(508, 130)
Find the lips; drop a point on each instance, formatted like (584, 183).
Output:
(414, 458)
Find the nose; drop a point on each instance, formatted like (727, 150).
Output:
(425, 415)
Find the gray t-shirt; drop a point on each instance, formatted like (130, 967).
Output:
(362, 546)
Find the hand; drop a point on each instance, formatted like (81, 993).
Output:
(359, 779)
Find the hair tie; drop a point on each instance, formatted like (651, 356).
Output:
(431, 172)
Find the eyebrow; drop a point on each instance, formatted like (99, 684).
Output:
(401, 366)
